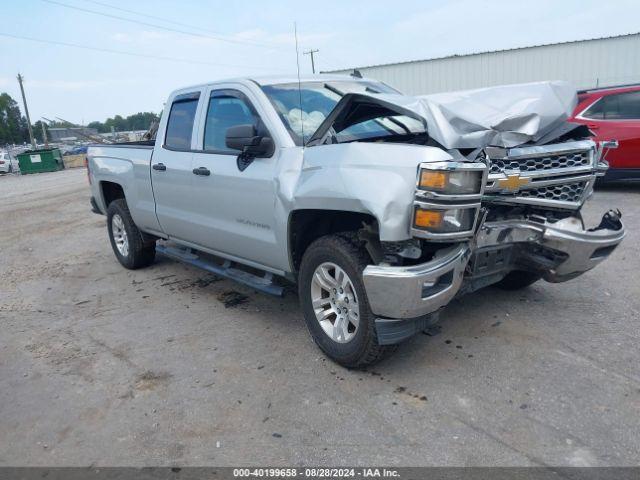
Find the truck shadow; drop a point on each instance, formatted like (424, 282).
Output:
(620, 187)
(467, 323)
(465, 328)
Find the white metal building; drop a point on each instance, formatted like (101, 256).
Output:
(584, 63)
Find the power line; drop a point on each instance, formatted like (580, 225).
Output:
(161, 27)
(131, 54)
(162, 19)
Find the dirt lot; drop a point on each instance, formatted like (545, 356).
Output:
(172, 366)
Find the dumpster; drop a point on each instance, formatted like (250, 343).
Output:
(43, 160)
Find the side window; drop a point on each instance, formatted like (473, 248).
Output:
(180, 124)
(596, 110)
(226, 110)
(623, 106)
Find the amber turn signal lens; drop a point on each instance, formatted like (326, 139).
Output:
(433, 179)
(428, 218)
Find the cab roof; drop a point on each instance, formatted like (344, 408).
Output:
(280, 79)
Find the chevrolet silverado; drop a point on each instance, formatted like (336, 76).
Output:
(381, 207)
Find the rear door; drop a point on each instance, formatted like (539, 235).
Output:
(233, 210)
(617, 117)
(171, 171)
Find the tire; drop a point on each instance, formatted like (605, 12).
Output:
(357, 347)
(517, 280)
(127, 242)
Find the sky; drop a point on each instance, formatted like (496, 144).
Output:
(171, 44)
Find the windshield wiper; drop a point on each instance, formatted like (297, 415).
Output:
(333, 89)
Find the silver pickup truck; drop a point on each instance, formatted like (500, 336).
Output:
(381, 207)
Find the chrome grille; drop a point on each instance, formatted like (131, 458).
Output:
(558, 176)
(548, 162)
(571, 192)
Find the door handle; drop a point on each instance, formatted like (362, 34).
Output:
(160, 167)
(202, 171)
(591, 126)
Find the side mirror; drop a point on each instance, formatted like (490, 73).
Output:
(602, 150)
(246, 139)
(609, 144)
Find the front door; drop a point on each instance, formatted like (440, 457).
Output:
(232, 210)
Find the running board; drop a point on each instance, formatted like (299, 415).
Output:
(263, 283)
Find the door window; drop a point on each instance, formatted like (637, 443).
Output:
(180, 124)
(226, 109)
(595, 111)
(624, 106)
(621, 106)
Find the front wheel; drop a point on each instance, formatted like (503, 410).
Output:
(127, 241)
(335, 303)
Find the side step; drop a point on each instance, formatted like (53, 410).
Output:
(263, 283)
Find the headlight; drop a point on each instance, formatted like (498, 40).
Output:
(448, 198)
(452, 182)
(444, 220)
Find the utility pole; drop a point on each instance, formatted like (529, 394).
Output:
(44, 135)
(26, 112)
(313, 64)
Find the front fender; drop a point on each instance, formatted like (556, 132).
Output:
(374, 178)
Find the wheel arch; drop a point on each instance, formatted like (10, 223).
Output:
(111, 191)
(307, 225)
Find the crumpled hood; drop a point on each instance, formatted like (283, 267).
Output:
(504, 116)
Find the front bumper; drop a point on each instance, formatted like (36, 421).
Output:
(413, 291)
(558, 251)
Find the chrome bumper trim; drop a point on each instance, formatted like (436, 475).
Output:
(399, 292)
(583, 248)
(566, 236)
(413, 291)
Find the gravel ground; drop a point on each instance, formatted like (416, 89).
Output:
(173, 366)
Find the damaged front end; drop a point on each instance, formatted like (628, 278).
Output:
(508, 200)
(530, 224)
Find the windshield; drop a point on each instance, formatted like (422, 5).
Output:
(319, 98)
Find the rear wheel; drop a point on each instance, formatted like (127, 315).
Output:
(335, 303)
(517, 280)
(127, 242)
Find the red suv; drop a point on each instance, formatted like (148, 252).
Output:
(613, 113)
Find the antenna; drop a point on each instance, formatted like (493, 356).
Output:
(295, 33)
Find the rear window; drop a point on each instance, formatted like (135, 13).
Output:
(620, 106)
(180, 124)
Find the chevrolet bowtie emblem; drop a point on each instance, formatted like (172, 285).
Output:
(513, 182)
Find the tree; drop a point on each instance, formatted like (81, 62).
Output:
(99, 126)
(137, 121)
(13, 126)
(37, 131)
